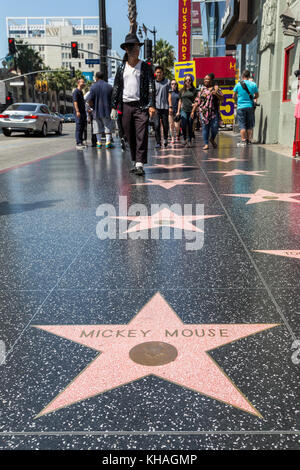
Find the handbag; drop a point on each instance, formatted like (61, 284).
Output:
(177, 118)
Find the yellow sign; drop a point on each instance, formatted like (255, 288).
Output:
(185, 68)
(227, 107)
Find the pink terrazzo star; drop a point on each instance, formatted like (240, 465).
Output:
(286, 253)
(163, 157)
(170, 167)
(165, 218)
(240, 172)
(225, 160)
(167, 184)
(266, 196)
(155, 330)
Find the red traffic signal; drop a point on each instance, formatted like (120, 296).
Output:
(11, 46)
(74, 48)
(9, 99)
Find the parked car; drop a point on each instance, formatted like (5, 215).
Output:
(69, 118)
(61, 116)
(30, 118)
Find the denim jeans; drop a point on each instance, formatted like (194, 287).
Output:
(211, 129)
(187, 124)
(80, 127)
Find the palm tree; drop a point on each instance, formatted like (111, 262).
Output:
(165, 56)
(61, 81)
(28, 60)
(132, 15)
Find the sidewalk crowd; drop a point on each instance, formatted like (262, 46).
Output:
(141, 98)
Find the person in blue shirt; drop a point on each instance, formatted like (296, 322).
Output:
(100, 102)
(246, 94)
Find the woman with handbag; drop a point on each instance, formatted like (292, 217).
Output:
(174, 122)
(186, 108)
(210, 97)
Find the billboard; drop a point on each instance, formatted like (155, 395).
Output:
(196, 15)
(182, 69)
(222, 67)
(227, 107)
(184, 30)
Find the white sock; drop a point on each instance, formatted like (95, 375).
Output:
(108, 138)
(139, 165)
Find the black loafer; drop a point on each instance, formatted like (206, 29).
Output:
(139, 171)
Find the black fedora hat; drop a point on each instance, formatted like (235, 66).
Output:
(131, 39)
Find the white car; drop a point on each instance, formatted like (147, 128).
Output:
(30, 118)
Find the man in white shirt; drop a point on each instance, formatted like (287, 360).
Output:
(134, 95)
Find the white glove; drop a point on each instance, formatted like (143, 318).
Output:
(114, 115)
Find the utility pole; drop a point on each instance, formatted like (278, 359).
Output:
(103, 38)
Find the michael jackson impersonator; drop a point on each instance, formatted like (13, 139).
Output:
(134, 95)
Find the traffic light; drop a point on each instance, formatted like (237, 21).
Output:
(11, 46)
(72, 72)
(74, 48)
(148, 49)
(9, 99)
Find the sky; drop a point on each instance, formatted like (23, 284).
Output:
(163, 14)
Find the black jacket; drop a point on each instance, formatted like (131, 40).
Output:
(147, 87)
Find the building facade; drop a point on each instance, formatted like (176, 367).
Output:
(279, 52)
(43, 34)
(240, 29)
(212, 13)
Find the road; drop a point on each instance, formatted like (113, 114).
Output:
(18, 149)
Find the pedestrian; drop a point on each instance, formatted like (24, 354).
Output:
(186, 108)
(90, 120)
(162, 88)
(174, 122)
(80, 113)
(134, 95)
(246, 94)
(100, 101)
(210, 96)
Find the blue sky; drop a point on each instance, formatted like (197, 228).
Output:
(160, 13)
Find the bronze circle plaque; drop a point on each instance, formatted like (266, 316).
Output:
(153, 353)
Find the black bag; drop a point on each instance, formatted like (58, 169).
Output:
(177, 118)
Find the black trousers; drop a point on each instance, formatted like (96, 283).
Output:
(135, 124)
(162, 115)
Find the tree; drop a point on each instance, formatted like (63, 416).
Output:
(61, 81)
(28, 60)
(165, 56)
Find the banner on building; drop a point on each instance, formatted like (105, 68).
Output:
(182, 69)
(222, 67)
(196, 15)
(227, 107)
(184, 30)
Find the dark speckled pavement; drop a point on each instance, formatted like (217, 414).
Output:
(69, 380)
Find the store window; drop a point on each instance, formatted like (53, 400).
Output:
(289, 54)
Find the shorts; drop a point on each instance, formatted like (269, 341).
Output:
(102, 125)
(246, 118)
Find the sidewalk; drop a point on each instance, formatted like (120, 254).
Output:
(126, 324)
(276, 148)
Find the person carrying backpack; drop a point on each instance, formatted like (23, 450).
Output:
(246, 93)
